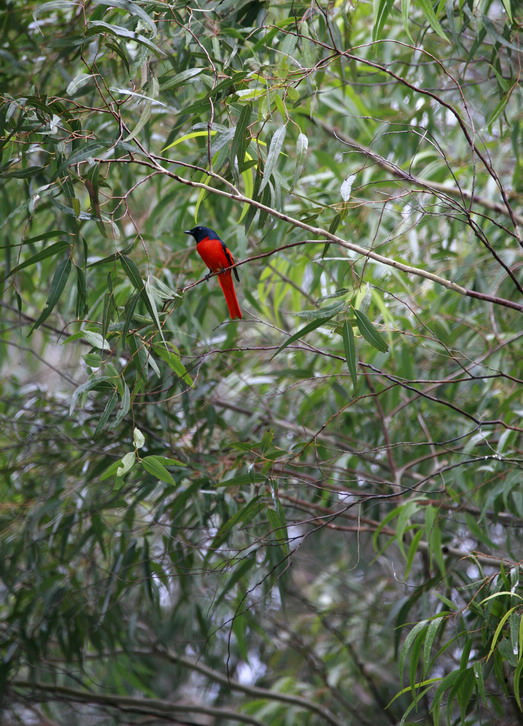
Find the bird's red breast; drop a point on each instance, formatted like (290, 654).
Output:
(217, 256)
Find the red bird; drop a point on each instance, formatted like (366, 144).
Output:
(217, 256)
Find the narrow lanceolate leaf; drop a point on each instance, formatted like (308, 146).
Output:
(430, 15)
(42, 255)
(151, 306)
(126, 463)
(133, 274)
(95, 27)
(174, 362)
(186, 137)
(57, 285)
(369, 332)
(381, 13)
(346, 187)
(499, 629)
(95, 339)
(154, 466)
(405, 14)
(125, 405)
(237, 575)
(517, 680)
(302, 144)
(133, 9)
(303, 331)
(239, 142)
(350, 351)
(242, 517)
(109, 408)
(508, 9)
(272, 155)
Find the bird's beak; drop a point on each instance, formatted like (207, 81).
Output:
(187, 231)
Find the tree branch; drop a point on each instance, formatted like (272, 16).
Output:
(399, 173)
(319, 231)
(52, 692)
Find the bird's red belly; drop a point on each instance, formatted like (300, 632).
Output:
(212, 253)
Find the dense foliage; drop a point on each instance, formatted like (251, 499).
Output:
(311, 515)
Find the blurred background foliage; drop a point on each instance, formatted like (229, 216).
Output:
(311, 515)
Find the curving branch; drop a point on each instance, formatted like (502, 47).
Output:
(152, 706)
(322, 233)
(336, 53)
(254, 691)
(434, 187)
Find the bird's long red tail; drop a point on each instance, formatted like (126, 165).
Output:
(227, 285)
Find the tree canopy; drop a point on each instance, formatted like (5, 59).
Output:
(310, 515)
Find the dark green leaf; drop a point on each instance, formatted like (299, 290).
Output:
(273, 154)
(240, 140)
(380, 18)
(242, 517)
(350, 351)
(174, 362)
(303, 331)
(154, 465)
(95, 27)
(57, 285)
(42, 255)
(369, 332)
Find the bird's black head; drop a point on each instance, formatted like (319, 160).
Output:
(200, 233)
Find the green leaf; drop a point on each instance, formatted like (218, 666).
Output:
(415, 633)
(245, 565)
(109, 408)
(132, 272)
(111, 470)
(154, 466)
(168, 83)
(499, 628)
(518, 679)
(94, 382)
(381, 13)
(133, 8)
(57, 285)
(125, 405)
(95, 26)
(42, 255)
(86, 151)
(78, 82)
(350, 352)
(186, 137)
(412, 551)
(272, 155)
(94, 339)
(500, 107)
(369, 332)
(508, 9)
(303, 331)
(405, 14)
(142, 288)
(243, 516)
(240, 141)
(22, 173)
(430, 15)
(169, 461)
(126, 464)
(430, 636)
(174, 362)
(138, 438)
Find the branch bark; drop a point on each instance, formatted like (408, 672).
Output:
(322, 233)
(52, 692)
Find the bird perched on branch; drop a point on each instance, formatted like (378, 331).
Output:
(217, 256)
